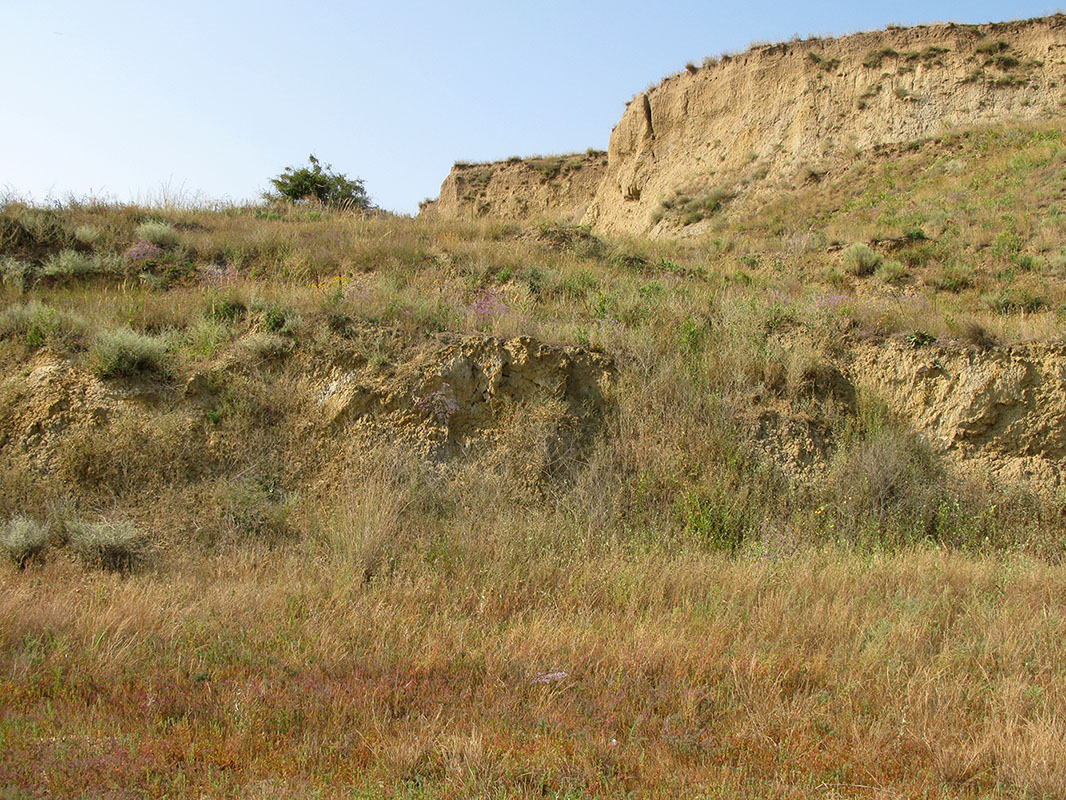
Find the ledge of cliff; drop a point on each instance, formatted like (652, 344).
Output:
(560, 187)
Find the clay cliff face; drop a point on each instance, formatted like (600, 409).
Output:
(559, 187)
(780, 114)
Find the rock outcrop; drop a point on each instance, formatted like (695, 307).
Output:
(556, 187)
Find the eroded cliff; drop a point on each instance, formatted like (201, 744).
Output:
(560, 187)
(784, 114)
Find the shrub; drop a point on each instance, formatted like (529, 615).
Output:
(111, 545)
(266, 345)
(87, 234)
(860, 260)
(890, 480)
(15, 273)
(69, 262)
(157, 232)
(318, 182)
(24, 540)
(892, 272)
(954, 279)
(1013, 299)
(143, 250)
(124, 353)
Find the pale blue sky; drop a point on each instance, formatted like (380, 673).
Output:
(209, 98)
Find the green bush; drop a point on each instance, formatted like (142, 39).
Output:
(24, 540)
(318, 182)
(860, 260)
(125, 353)
(115, 546)
(159, 233)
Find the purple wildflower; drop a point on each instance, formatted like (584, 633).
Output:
(490, 304)
(144, 251)
(440, 404)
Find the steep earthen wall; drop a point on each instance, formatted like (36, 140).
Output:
(780, 113)
(559, 187)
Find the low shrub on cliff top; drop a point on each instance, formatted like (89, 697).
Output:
(318, 182)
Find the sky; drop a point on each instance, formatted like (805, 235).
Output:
(206, 100)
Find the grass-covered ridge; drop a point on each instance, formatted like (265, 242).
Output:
(256, 543)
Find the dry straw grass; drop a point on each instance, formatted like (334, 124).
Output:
(327, 612)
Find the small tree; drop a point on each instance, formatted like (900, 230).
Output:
(320, 183)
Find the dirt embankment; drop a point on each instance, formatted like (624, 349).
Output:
(557, 187)
(314, 418)
(1000, 411)
(995, 414)
(782, 114)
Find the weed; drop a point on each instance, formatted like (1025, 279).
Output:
(24, 540)
(157, 232)
(125, 353)
(920, 338)
(113, 545)
(860, 260)
(891, 272)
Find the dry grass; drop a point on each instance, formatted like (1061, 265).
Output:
(332, 611)
(797, 675)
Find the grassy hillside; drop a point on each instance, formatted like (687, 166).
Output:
(309, 503)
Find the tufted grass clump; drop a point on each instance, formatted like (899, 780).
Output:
(24, 540)
(37, 324)
(15, 273)
(159, 233)
(126, 353)
(860, 260)
(74, 264)
(113, 545)
(264, 345)
(892, 272)
(87, 234)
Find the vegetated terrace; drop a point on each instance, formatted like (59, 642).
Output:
(213, 591)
